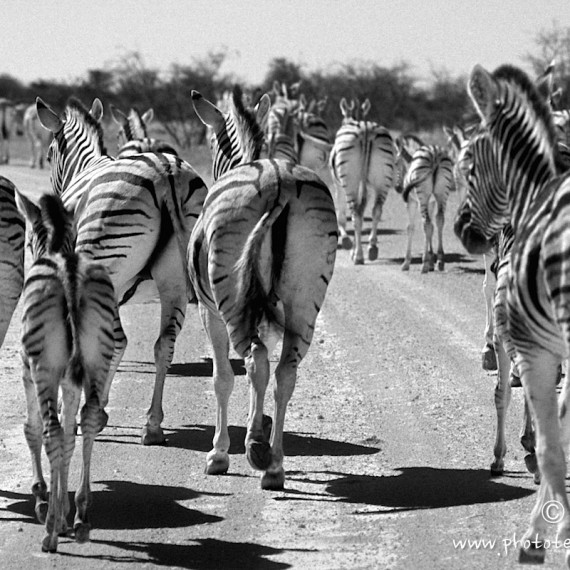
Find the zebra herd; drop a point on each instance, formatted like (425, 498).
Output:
(256, 251)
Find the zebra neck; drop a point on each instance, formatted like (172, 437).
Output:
(526, 163)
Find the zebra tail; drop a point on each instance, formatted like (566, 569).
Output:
(76, 368)
(253, 302)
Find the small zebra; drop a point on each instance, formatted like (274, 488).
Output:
(286, 101)
(133, 136)
(68, 311)
(362, 162)
(261, 258)
(426, 186)
(528, 188)
(134, 215)
(38, 137)
(12, 238)
(10, 124)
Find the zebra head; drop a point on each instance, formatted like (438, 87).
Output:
(77, 138)
(513, 155)
(132, 126)
(51, 228)
(236, 137)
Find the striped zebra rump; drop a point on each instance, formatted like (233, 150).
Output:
(379, 164)
(430, 173)
(12, 240)
(284, 202)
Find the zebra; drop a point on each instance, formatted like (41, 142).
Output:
(68, 309)
(10, 124)
(458, 140)
(133, 136)
(426, 185)
(38, 137)
(261, 258)
(134, 216)
(314, 140)
(12, 238)
(529, 190)
(362, 162)
(286, 101)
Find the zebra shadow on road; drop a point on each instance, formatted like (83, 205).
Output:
(137, 506)
(134, 506)
(199, 438)
(199, 554)
(417, 488)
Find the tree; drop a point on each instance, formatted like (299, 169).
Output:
(554, 44)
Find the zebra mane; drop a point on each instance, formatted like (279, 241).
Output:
(249, 131)
(57, 223)
(75, 107)
(518, 78)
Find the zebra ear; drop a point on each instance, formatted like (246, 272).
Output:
(27, 208)
(96, 109)
(48, 117)
(207, 112)
(483, 91)
(366, 108)
(344, 108)
(262, 110)
(118, 116)
(148, 116)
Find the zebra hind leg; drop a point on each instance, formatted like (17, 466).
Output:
(258, 450)
(171, 282)
(502, 401)
(218, 459)
(373, 241)
(33, 433)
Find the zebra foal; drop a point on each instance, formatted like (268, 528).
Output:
(261, 258)
(67, 344)
(533, 194)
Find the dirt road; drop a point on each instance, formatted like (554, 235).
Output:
(388, 439)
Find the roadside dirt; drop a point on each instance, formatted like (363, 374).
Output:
(388, 444)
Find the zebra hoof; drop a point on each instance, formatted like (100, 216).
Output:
(274, 481)
(346, 243)
(440, 266)
(534, 554)
(531, 463)
(217, 463)
(153, 436)
(49, 543)
(258, 454)
(489, 358)
(405, 266)
(358, 261)
(426, 268)
(373, 253)
(497, 469)
(267, 425)
(82, 531)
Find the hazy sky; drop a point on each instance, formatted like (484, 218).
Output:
(61, 39)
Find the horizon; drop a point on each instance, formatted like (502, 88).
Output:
(62, 40)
